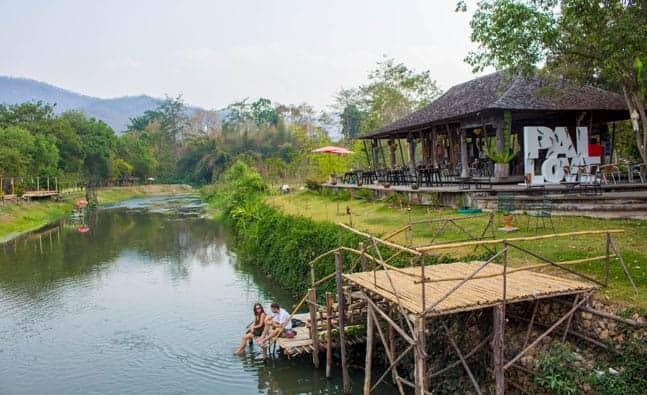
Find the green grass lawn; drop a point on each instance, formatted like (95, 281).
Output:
(380, 218)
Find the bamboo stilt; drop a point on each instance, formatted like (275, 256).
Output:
(624, 267)
(369, 354)
(314, 333)
(328, 334)
(532, 321)
(339, 267)
(497, 349)
(387, 351)
(362, 257)
(547, 332)
(568, 321)
(420, 357)
(477, 388)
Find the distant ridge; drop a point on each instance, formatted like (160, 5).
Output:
(115, 112)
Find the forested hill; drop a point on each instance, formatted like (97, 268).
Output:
(115, 112)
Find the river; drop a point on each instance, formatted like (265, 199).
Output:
(149, 301)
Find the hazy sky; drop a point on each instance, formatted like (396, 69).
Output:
(216, 52)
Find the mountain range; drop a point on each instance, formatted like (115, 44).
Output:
(116, 112)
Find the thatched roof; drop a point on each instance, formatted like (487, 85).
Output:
(499, 91)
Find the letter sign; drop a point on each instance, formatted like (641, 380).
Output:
(560, 152)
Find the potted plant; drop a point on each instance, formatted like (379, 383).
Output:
(502, 159)
(502, 162)
(333, 179)
(414, 186)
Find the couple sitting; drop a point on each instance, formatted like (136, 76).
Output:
(266, 327)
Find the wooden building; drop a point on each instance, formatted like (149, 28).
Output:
(471, 119)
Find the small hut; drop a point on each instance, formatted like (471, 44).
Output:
(491, 116)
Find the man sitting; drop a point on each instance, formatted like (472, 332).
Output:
(276, 324)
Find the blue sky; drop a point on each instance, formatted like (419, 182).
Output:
(217, 52)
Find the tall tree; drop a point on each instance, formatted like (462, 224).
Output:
(601, 42)
(393, 91)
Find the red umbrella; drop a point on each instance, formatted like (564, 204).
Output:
(330, 149)
(83, 229)
(81, 202)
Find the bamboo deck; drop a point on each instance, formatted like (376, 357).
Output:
(484, 290)
(302, 343)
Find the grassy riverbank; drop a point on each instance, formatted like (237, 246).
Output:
(380, 218)
(20, 217)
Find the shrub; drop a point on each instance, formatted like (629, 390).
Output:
(631, 362)
(313, 184)
(555, 372)
(365, 194)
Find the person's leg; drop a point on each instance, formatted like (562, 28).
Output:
(241, 348)
(266, 331)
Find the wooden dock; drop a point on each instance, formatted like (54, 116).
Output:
(400, 306)
(39, 194)
(302, 343)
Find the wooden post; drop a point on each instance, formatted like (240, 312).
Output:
(362, 257)
(606, 261)
(464, 159)
(433, 142)
(376, 158)
(314, 333)
(499, 135)
(420, 371)
(328, 334)
(47, 183)
(56, 183)
(497, 348)
(390, 333)
(37, 184)
(392, 149)
(341, 312)
(369, 353)
(13, 191)
(412, 155)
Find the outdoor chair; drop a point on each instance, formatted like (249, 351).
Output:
(506, 203)
(608, 173)
(590, 180)
(543, 212)
(640, 171)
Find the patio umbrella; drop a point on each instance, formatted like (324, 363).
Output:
(331, 149)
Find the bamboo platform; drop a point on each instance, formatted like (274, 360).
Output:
(484, 290)
(39, 194)
(302, 343)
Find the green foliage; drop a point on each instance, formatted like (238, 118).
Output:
(631, 362)
(502, 157)
(599, 42)
(395, 199)
(365, 194)
(312, 184)
(392, 92)
(554, 371)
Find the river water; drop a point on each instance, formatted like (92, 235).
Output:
(149, 301)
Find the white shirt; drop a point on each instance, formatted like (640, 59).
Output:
(282, 317)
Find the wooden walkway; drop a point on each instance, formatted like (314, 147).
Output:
(39, 194)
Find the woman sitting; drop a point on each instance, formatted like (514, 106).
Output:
(255, 329)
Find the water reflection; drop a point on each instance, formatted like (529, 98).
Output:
(145, 302)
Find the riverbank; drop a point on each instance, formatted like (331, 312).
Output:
(22, 217)
(383, 217)
(280, 234)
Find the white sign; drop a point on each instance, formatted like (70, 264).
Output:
(560, 152)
